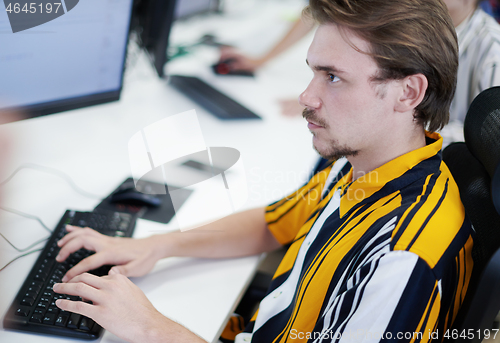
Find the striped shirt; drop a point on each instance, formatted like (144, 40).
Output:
(479, 60)
(386, 256)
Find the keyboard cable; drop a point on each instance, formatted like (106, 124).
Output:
(30, 216)
(18, 257)
(53, 171)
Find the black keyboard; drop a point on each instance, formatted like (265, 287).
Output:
(211, 99)
(34, 307)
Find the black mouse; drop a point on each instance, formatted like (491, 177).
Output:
(128, 194)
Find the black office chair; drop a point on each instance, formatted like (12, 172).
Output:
(475, 165)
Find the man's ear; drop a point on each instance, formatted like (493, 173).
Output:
(413, 89)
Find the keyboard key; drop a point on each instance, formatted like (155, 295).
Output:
(61, 231)
(47, 264)
(62, 319)
(52, 252)
(86, 324)
(28, 301)
(40, 277)
(36, 318)
(33, 289)
(30, 294)
(23, 312)
(36, 286)
(49, 318)
(42, 305)
(78, 255)
(74, 320)
(53, 309)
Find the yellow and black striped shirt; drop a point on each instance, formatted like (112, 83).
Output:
(384, 258)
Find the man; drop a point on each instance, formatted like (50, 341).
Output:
(379, 244)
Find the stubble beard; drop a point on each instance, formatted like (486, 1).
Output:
(333, 150)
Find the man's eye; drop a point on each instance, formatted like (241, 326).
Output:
(333, 78)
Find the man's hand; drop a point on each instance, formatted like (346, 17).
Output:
(122, 308)
(131, 257)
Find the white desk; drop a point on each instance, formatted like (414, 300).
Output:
(90, 145)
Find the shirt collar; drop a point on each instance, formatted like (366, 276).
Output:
(367, 186)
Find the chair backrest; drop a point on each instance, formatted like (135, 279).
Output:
(482, 135)
(474, 164)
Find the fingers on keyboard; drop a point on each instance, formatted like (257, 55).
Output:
(71, 243)
(87, 264)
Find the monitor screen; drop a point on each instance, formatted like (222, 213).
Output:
(62, 54)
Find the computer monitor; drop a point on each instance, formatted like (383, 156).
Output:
(152, 20)
(189, 8)
(65, 60)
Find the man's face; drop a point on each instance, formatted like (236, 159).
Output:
(348, 113)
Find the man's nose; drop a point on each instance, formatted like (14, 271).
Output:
(309, 98)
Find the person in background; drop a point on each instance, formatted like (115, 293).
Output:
(479, 58)
(479, 53)
(299, 29)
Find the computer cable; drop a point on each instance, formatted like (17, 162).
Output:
(26, 215)
(18, 257)
(176, 51)
(53, 171)
(29, 216)
(27, 248)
